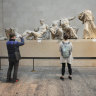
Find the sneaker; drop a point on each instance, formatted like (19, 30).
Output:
(70, 77)
(17, 80)
(62, 78)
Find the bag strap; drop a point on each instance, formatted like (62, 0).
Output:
(14, 45)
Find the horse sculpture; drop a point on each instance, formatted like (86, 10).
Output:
(87, 19)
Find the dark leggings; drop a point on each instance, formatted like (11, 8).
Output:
(12, 64)
(69, 68)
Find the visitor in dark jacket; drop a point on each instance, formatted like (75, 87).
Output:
(14, 57)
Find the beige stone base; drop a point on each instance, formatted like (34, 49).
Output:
(50, 48)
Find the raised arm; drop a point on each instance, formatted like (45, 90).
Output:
(21, 43)
(72, 18)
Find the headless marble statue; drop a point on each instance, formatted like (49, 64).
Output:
(56, 31)
(70, 31)
(9, 31)
(37, 33)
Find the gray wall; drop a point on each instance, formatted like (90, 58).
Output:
(25, 14)
(1, 24)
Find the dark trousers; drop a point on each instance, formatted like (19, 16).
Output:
(69, 68)
(12, 64)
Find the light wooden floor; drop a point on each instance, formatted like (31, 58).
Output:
(45, 82)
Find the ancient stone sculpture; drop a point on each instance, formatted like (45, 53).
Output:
(87, 19)
(9, 31)
(56, 31)
(65, 24)
(59, 27)
(37, 33)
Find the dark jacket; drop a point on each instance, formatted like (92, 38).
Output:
(13, 48)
